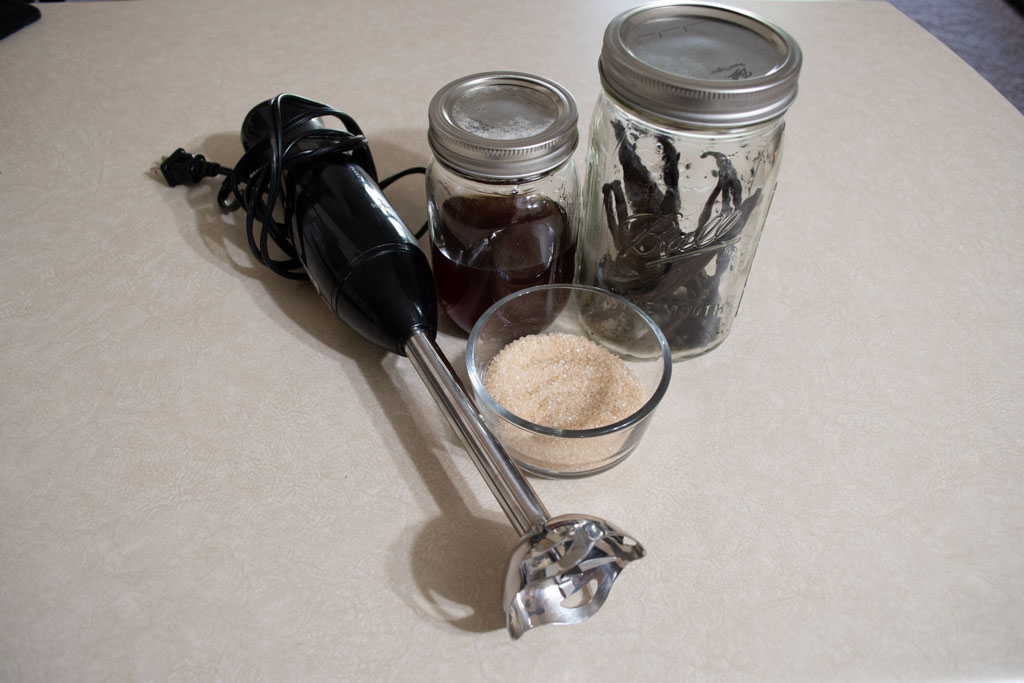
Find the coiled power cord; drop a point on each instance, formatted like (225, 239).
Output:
(296, 146)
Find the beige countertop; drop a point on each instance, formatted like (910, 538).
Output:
(204, 475)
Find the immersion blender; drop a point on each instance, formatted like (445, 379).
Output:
(343, 233)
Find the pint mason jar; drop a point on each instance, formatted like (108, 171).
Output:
(502, 189)
(685, 145)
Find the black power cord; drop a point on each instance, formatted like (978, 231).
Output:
(267, 173)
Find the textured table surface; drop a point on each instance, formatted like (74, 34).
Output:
(204, 475)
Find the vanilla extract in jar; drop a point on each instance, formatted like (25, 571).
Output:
(502, 189)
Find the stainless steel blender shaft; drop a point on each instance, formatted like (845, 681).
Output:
(563, 567)
(514, 493)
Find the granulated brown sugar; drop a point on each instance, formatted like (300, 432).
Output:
(564, 381)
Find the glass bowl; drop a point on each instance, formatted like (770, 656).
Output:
(609, 321)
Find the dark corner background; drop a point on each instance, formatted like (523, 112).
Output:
(987, 34)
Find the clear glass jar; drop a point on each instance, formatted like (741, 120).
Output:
(685, 146)
(502, 190)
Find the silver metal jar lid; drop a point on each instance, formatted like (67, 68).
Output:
(503, 125)
(704, 65)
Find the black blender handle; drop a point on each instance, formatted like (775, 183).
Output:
(360, 256)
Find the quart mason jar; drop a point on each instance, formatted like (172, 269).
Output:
(502, 189)
(684, 154)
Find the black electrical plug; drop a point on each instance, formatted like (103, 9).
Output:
(182, 168)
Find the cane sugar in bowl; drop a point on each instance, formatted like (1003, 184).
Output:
(566, 386)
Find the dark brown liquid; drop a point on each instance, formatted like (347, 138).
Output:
(486, 248)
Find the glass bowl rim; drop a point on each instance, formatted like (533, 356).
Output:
(638, 416)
